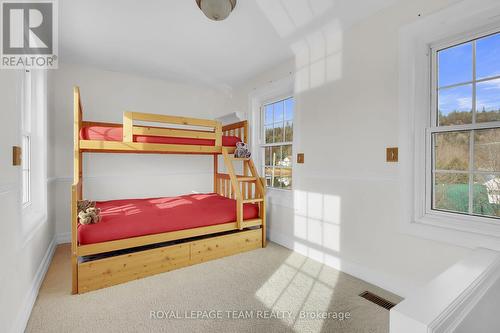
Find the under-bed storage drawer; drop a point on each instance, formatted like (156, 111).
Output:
(106, 272)
(222, 246)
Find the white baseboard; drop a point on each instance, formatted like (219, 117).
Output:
(30, 298)
(380, 279)
(63, 237)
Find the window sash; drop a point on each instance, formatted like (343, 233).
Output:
(434, 128)
(265, 145)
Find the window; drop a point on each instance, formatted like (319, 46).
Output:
(33, 138)
(464, 134)
(277, 137)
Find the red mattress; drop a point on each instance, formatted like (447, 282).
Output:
(138, 217)
(104, 133)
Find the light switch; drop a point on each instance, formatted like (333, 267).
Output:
(392, 154)
(300, 158)
(16, 155)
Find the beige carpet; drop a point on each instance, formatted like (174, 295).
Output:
(265, 283)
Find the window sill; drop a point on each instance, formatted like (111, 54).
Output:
(457, 231)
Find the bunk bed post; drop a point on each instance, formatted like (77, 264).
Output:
(218, 134)
(245, 132)
(216, 171)
(128, 127)
(262, 211)
(77, 188)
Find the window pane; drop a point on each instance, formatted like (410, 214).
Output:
(487, 150)
(288, 131)
(268, 114)
(278, 132)
(267, 156)
(455, 65)
(287, 156)
(285, 177)
(276, 155)
(268, 171)
(273, 174)
(486, 195)
(488, 56)
(455, 106)
(452, 150)
(451, 192)
(278, 111)
(269, 134)
(268, 181)
(286, 183)
(488, 100)
(289, 107)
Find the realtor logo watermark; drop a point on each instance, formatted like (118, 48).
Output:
(29, 34)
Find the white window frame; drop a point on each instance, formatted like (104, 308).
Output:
(434, 128)
(415, 102)
(262, 138)
(33, 104)
(256, 98)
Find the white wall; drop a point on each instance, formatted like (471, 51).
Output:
(344, 208)
(24, 254)
(105, 95)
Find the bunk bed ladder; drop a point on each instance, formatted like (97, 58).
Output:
(241, 189)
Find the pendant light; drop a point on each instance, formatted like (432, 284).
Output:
(216, 10)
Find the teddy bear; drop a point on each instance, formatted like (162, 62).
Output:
(242, 150)
(88, 213)
(89, 216)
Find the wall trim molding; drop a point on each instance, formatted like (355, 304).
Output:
(468, 299)
(442, 304)
(30, 298)
(377, 278)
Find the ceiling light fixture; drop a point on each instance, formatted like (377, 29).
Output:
(216, 10)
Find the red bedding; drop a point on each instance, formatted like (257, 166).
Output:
(138, 217)
(104, 133)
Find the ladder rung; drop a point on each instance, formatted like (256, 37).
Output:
(246, 179)
(251, 223)
(239, 158)
(253, 200)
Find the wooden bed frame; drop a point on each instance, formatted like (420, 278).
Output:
(217, 241)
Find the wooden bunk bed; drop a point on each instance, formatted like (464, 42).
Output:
(116, 260)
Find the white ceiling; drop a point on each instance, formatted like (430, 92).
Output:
(172, 39)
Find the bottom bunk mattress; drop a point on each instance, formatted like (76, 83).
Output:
(139, 217)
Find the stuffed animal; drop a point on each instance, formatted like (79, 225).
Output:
(84, 204)
(88, 213)
(89, 216)
(242, 150)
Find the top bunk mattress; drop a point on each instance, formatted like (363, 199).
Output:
(139, 217)
(108, 133)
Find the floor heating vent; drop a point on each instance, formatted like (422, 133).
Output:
(377, 300)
